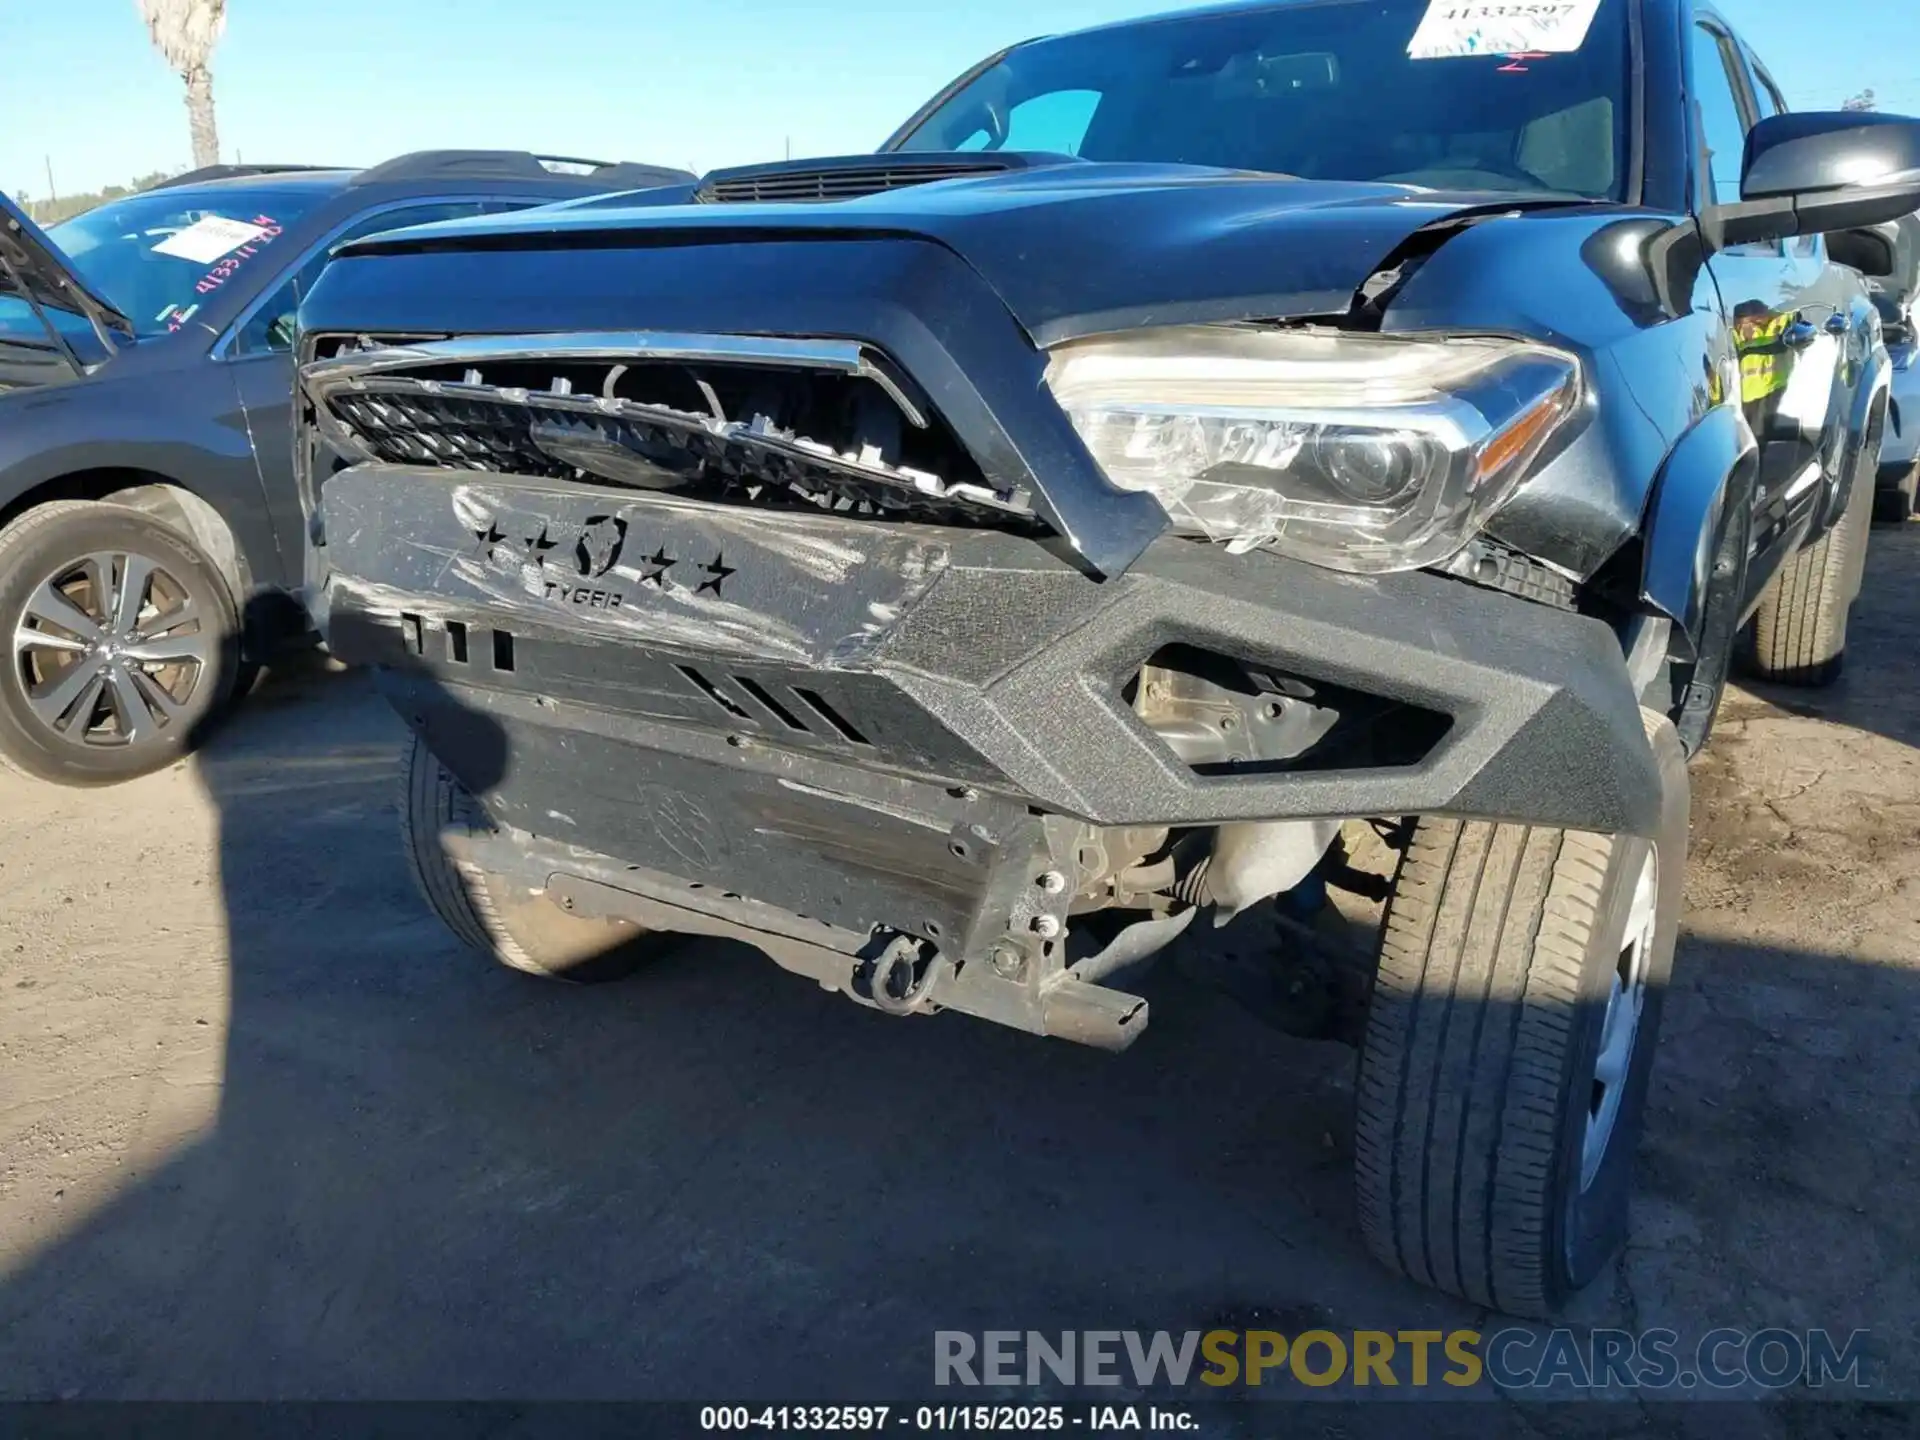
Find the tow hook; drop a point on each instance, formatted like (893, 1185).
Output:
(901, 977)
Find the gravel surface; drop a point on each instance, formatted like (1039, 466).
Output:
(266, 1132)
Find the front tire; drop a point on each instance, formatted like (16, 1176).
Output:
(501, 920)
(123, 643)
(1508, 1042)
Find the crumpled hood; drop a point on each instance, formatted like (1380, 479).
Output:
(955, 282)
(1072, 248)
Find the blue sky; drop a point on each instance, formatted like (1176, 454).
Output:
(702, 84)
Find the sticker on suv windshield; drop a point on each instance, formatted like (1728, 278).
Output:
(1453, 28)
(266, 230)
(208, 238)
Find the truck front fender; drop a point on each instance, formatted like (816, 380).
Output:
(1852, 464)
(1711, 467)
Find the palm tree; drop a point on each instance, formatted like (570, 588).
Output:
(185, 32)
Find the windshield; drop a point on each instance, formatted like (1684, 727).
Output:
(157, 256)
(1325, 91)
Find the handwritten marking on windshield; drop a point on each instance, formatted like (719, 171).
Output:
(207, 239)
(223, 271)
(1455, 28)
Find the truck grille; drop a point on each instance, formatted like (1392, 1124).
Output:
(841, 436)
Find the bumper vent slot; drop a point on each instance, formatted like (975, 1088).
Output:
(780, 712)
(712, 691)
(833, 717)
(806, 712)
(453, 644)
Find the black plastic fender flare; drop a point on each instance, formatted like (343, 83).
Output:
(1714, 460)
(1875, 382)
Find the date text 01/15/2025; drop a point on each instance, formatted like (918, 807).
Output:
(878, 1419)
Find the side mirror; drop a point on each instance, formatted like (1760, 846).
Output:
(1836, 155)
(1821, 171)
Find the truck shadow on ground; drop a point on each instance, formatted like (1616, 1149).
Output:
(433, 1179)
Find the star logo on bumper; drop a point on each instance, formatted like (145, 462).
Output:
(657, 565)
(712, 575)
(569, 558)
(499, 547)
(487, 540)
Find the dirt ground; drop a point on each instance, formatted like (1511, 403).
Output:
(266, 1132)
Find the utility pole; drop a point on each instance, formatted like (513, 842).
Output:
(789, 147)
(53, 192)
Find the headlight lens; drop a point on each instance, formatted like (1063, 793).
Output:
(1357, 452)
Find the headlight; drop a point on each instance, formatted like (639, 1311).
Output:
(1358, 452)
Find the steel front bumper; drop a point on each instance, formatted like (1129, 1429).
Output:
(963, 656)
(892, 726)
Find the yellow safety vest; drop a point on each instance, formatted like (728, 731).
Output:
(1763, 356)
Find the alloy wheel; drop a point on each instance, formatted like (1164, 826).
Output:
(110, 650)
(1620, 1026)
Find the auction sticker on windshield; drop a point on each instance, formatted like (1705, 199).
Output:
(208, 238)
(1453, 28)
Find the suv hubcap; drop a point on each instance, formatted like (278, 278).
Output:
(1620, 1027)
(110, 650)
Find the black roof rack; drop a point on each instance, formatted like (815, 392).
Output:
(230, 172)
(516, 165)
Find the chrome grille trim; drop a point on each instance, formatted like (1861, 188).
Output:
(847, 357)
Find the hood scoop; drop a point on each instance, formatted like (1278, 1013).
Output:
(848, 177)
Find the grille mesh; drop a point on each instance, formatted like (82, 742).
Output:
(453, 433)
(421, 426)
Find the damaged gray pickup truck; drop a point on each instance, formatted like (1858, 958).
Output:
(954, 569)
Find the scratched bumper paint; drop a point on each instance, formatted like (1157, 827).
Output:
(598, 563)
(957, 657)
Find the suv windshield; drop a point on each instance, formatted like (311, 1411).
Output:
(157, 256)
(1324, 90)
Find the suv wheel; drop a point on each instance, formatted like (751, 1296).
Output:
(122, 643)
(1512, 1026)
(507, 922)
